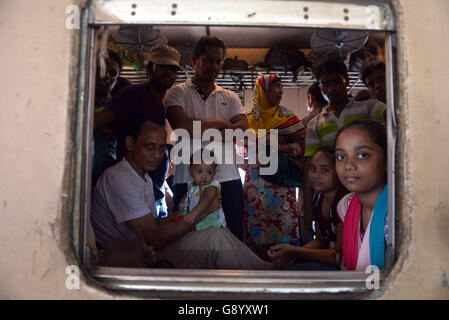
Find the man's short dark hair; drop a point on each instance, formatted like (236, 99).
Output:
(115, 57)
(330, 65)
(369, 68)
(213, 41)
(134, 126)
(314, 91)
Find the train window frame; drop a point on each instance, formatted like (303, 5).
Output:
(179, 283)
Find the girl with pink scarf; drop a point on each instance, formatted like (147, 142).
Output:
(361, 164)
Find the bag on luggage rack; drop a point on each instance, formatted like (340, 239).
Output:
(285, 59)
(234, 64)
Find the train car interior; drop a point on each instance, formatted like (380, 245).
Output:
(283, 38)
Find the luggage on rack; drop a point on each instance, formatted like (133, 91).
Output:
(234, 64)
(285, 59)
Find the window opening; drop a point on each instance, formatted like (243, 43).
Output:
(279, 282)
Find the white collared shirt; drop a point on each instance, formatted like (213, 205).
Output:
(221, 103)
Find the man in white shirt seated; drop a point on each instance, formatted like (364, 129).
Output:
(124, 212)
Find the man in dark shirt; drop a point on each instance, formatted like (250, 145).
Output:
(113, 80)
(105, 146)
(143, 101)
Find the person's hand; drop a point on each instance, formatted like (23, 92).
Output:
(148, 257)
(281, 250)
(224, 124)
(199, 213)
(221, 125)
(283, 255)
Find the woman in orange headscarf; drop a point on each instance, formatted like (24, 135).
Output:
(271, 211)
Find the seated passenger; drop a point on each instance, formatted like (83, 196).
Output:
(143, 101)
(361, 164)
(124, 211)
(201, 192)
(318, 254)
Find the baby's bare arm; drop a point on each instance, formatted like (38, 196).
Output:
(206, 205)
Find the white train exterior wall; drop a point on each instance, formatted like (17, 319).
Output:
(40, 58)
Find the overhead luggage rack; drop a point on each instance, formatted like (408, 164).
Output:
(246, 79)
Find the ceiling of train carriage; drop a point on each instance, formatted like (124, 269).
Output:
(247, 46)
(235, 37)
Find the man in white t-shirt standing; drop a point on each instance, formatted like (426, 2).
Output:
(200, 99)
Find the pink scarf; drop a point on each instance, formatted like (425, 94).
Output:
(351, 234)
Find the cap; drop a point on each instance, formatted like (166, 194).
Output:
(163, 54)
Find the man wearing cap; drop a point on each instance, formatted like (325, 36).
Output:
(144, 102)
(200, 99)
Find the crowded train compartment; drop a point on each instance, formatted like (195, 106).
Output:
(301, 35)
(50, 248)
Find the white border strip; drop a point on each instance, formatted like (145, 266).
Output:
(315, 14)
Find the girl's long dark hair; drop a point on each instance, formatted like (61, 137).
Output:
(375, 129)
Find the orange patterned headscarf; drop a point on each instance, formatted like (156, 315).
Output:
(264, 115)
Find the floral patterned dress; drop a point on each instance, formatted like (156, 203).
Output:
(271, 214)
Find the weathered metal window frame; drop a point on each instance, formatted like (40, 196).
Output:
(178, 283)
